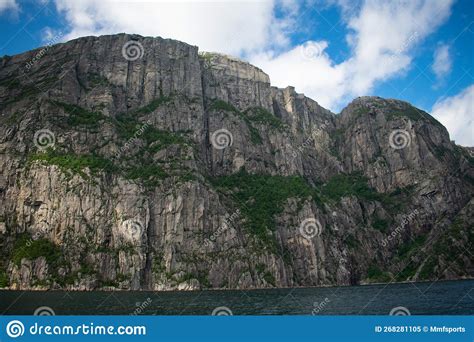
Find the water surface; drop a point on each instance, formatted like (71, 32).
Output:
(438, 298)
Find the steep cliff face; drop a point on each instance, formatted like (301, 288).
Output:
(139, 163)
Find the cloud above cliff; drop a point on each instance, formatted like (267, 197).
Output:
(442, 63)
(234, 27)
(456, 114)
(8, 5)
(380, 36)
(330, 50)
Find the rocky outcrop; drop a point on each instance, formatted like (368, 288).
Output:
(133, 162)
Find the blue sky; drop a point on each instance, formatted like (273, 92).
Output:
(419, 51)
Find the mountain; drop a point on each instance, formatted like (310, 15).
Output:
(135, 162)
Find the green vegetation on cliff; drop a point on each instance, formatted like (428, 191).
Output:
(150, 175)
(27, 248)
(376, 275)
(152, 106)
(354, 184)
(3, 278)
(75, 163)
(262, 116)
(220, 105)
(261, 197)
(251, 116)
(79, 116)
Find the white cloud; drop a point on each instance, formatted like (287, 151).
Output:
(8, 5)
(441, 61)
(51, 36)
(381, 39)
(456, 114)
(313, 73)
(381, 36)
(47, 34)
(234, 27)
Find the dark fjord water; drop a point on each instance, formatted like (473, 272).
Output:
(438, 298)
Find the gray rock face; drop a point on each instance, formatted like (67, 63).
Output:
(132, 162)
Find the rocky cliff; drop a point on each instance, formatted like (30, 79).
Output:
(133, 162)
